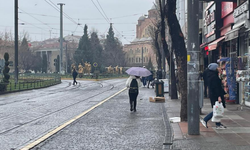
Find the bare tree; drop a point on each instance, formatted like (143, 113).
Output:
(154, 33)
(180, 53)
(170, 61)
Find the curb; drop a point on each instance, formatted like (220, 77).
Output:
(169, 136)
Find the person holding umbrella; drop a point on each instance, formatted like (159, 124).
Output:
(133, 83)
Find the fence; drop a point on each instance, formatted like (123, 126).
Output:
(100, 76)
(31, 81)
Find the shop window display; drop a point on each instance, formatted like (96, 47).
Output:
(243, 73)
(227, 75)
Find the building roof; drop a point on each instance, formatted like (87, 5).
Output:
(142, 18)
(141, 40)
(153, 7)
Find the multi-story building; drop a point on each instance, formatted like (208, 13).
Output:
(225, 39)
(51, 48)
(139, 51)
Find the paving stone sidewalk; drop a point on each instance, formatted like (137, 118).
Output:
(113, 126)
(235, 137)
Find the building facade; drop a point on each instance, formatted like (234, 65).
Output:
(225, 40)
(140, 51)
(51, 48)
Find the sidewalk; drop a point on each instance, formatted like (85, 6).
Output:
(235, 137)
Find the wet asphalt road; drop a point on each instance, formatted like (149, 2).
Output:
(27, 115)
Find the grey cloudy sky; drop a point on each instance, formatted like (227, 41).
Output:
(41, 20)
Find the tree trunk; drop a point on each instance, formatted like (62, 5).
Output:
(180, 53)
(158, 51)
(170, 61)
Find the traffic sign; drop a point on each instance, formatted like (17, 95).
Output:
(95, 64)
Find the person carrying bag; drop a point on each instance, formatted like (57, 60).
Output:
(216, 95)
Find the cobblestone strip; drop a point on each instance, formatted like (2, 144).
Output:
(168, 141)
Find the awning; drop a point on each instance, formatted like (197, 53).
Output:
(234, 33)
(203, 45)
(213, 45)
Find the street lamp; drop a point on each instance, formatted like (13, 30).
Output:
(142, 55)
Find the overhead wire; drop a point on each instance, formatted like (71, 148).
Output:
(36, 18)
(83, 18)
(106, 18)
(100, 12)
(52, 4)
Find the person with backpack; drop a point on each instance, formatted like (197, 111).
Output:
(133, 83)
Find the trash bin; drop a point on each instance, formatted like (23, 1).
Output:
(159, 88)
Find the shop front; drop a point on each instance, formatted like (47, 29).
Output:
(210, 37)
(238, 43)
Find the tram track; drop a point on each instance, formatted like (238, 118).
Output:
(79, 87)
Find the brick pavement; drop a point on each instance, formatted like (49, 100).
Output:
(236, 136)
(113, 126)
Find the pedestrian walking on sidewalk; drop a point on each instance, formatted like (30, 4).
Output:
(74, 74)
(216, 93)
(133, 83)
(150, 79)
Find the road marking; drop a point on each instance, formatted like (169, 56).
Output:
(49, 134)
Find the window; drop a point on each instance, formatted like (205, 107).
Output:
(241, 2)
(136, 60)
(139, 60)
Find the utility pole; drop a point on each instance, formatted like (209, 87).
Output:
(16, 41)
(142, 56)
(193, 68)
(61, 36)
(66, 68)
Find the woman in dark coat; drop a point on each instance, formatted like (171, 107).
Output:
(216, 93)
(74, 74)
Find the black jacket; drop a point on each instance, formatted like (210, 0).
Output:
(204, 75)
(74, 74)
(215, 87)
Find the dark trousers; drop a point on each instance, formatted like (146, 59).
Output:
(149, 83)
(74, 81)
(209, 116)
(144, 82)
(132, 100)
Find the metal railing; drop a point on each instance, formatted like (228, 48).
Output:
(31, 81)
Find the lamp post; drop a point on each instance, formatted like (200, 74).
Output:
(16, 41)
(61, 36)
(142, 56)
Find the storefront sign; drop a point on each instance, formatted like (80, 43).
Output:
(209, 27)
(209, 17)
(241, 9)
(226, 8)
(232, 34)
